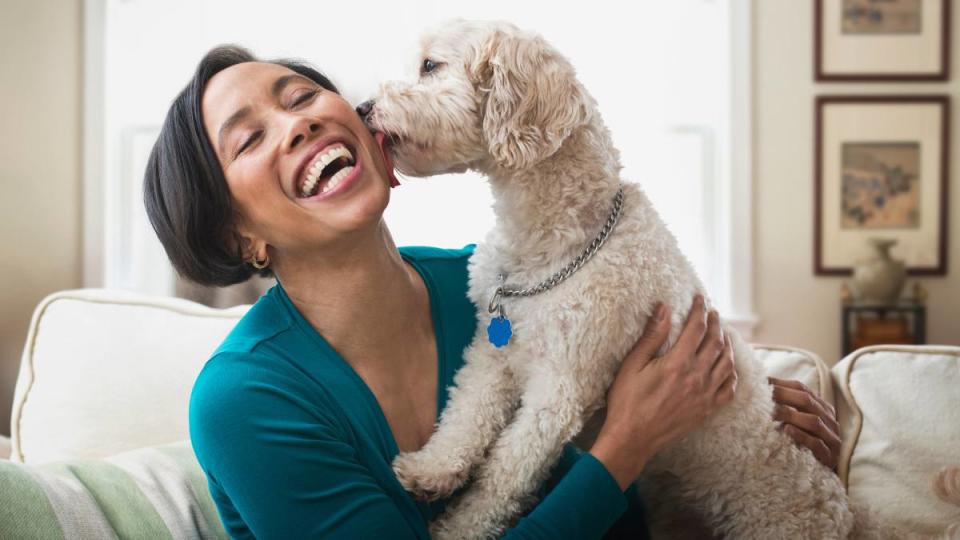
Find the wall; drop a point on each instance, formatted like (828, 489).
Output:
(40, 67)
(795, 307)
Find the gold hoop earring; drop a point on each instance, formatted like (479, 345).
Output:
(260, 265)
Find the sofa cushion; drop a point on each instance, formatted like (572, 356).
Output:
(158, 492)
(899, 409)
(107, 371)
(796, 364)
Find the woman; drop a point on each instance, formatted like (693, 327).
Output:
(297, 416)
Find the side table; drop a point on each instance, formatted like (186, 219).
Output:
(870, 323)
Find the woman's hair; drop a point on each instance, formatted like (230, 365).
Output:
(184, 189)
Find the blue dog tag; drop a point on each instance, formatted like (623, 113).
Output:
(499, 332)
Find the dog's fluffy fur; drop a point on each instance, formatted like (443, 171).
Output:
(503, 102)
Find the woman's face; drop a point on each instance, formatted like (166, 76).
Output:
(301, 166)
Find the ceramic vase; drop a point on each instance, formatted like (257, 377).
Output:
(880, 277)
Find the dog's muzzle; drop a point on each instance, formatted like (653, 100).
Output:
(364, 109)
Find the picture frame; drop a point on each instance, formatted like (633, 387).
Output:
(881, 170)
(881, 41)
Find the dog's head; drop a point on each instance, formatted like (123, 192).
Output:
(487, 95)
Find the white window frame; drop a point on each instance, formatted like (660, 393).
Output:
(737, 200)
(733, 208)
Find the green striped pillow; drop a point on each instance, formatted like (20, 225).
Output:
(156, 492)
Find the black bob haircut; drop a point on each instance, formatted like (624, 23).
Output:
(184, 189)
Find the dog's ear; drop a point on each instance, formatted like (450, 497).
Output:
(533, 99)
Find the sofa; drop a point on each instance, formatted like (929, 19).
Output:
(100, 448)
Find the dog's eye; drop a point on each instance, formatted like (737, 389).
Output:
(428, 66)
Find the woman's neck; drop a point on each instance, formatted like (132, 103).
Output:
(362, 297)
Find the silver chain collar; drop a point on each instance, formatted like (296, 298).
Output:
(503, 291)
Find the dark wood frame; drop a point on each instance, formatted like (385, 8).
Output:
(819, 75)
(944, 101)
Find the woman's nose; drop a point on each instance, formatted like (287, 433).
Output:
(300, 133)
(364, 108)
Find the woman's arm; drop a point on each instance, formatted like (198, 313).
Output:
(289, 472)
(583, 504)
(283, 467)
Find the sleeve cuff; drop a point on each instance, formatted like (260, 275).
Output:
(607, 497)
(584, 504)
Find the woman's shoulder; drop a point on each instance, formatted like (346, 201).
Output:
(444, 269)
(259, 353)
(265, 320)
(241, 400)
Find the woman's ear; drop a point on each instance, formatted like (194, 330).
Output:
(533, 99)
(249, 246)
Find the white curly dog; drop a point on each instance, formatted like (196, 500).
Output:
(503, 102)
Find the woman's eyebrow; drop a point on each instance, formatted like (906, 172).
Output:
(234, 119)
(282, 82)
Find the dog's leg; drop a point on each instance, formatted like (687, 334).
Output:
(520, 460)
(477, 409)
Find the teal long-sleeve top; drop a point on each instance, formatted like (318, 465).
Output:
(295, 445)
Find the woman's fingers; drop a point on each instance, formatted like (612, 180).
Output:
(811, 431)
(726, 391)
(654, 335)
(804, 401)
(817, 446)
(693, 330)
(713, 340)
(799, 386)
(724, 366)
(808, 419)
(810, 423)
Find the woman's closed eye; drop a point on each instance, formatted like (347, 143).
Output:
(248, 142)
(300, 100)
(303, 98)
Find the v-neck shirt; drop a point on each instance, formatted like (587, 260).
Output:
(294, 444)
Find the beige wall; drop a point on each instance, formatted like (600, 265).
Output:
(40, 104)
(40, 108)
(794, 306)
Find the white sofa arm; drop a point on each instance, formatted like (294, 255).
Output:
(108, 371)
(899, 409)
(4, 447)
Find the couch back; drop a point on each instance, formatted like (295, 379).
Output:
(104, 372)
(107, 371)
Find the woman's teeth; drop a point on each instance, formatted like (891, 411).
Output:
(314, 183)
(341, 174)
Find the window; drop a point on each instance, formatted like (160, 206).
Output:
(671, 80)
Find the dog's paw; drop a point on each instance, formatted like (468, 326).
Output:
(428, 478)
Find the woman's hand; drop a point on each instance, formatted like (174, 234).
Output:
(808, 419)
(655, 401)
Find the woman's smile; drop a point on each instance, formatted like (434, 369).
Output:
(332, 171)
(326, 167)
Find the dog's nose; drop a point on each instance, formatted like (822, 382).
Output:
(364, 108)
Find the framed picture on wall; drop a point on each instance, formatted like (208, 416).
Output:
(881, 40)
(881, 169)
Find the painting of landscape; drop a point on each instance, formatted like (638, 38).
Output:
(881, 185)
(881, 16)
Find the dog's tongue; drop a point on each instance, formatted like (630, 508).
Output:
(387, 158)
